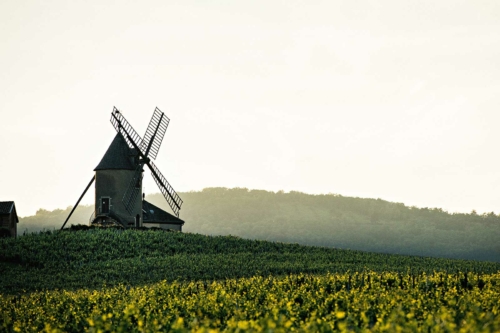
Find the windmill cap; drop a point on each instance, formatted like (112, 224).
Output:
(117, 156)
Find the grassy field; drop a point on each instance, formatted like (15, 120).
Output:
(134, 280)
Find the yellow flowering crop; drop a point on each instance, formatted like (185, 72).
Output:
(360, 302)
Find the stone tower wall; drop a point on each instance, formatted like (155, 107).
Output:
(114, 184)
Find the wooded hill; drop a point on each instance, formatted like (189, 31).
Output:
(324, 220)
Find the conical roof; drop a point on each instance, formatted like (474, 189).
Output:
(117, 156)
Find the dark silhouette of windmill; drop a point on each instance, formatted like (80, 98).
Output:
(119, 199)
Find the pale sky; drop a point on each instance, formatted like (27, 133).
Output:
(396, 100)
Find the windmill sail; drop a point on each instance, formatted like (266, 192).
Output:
(166, 189)
(125, 129)
(133, 190)
(149, 146)
(154, 134)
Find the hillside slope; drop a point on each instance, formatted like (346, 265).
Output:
(337, 221)
(105, 257)
(323, 220)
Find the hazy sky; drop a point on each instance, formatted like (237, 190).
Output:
(396, 100)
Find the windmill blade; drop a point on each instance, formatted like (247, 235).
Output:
(166, 189)
(154, 134)
(133, 189)
(134, 141)
(123, 127)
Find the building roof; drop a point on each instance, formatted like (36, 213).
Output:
(8, 207)
(117, 156)
(153, 214)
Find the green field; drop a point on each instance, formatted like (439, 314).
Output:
(134, 280)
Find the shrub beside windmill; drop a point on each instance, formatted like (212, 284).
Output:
(118, 179)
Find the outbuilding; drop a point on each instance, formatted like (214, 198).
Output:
(8, 219)
(155, 217)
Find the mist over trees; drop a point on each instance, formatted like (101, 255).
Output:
(323, 220)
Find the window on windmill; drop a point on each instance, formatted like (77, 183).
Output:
(151, 211)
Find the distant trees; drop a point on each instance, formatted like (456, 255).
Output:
(53, 220)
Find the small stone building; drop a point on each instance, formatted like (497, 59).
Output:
(8, 217)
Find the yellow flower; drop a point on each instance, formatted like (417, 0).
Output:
(243, 325)
(340, 314)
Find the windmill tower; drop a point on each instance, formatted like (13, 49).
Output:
(119, 199)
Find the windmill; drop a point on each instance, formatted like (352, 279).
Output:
(118, 191)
